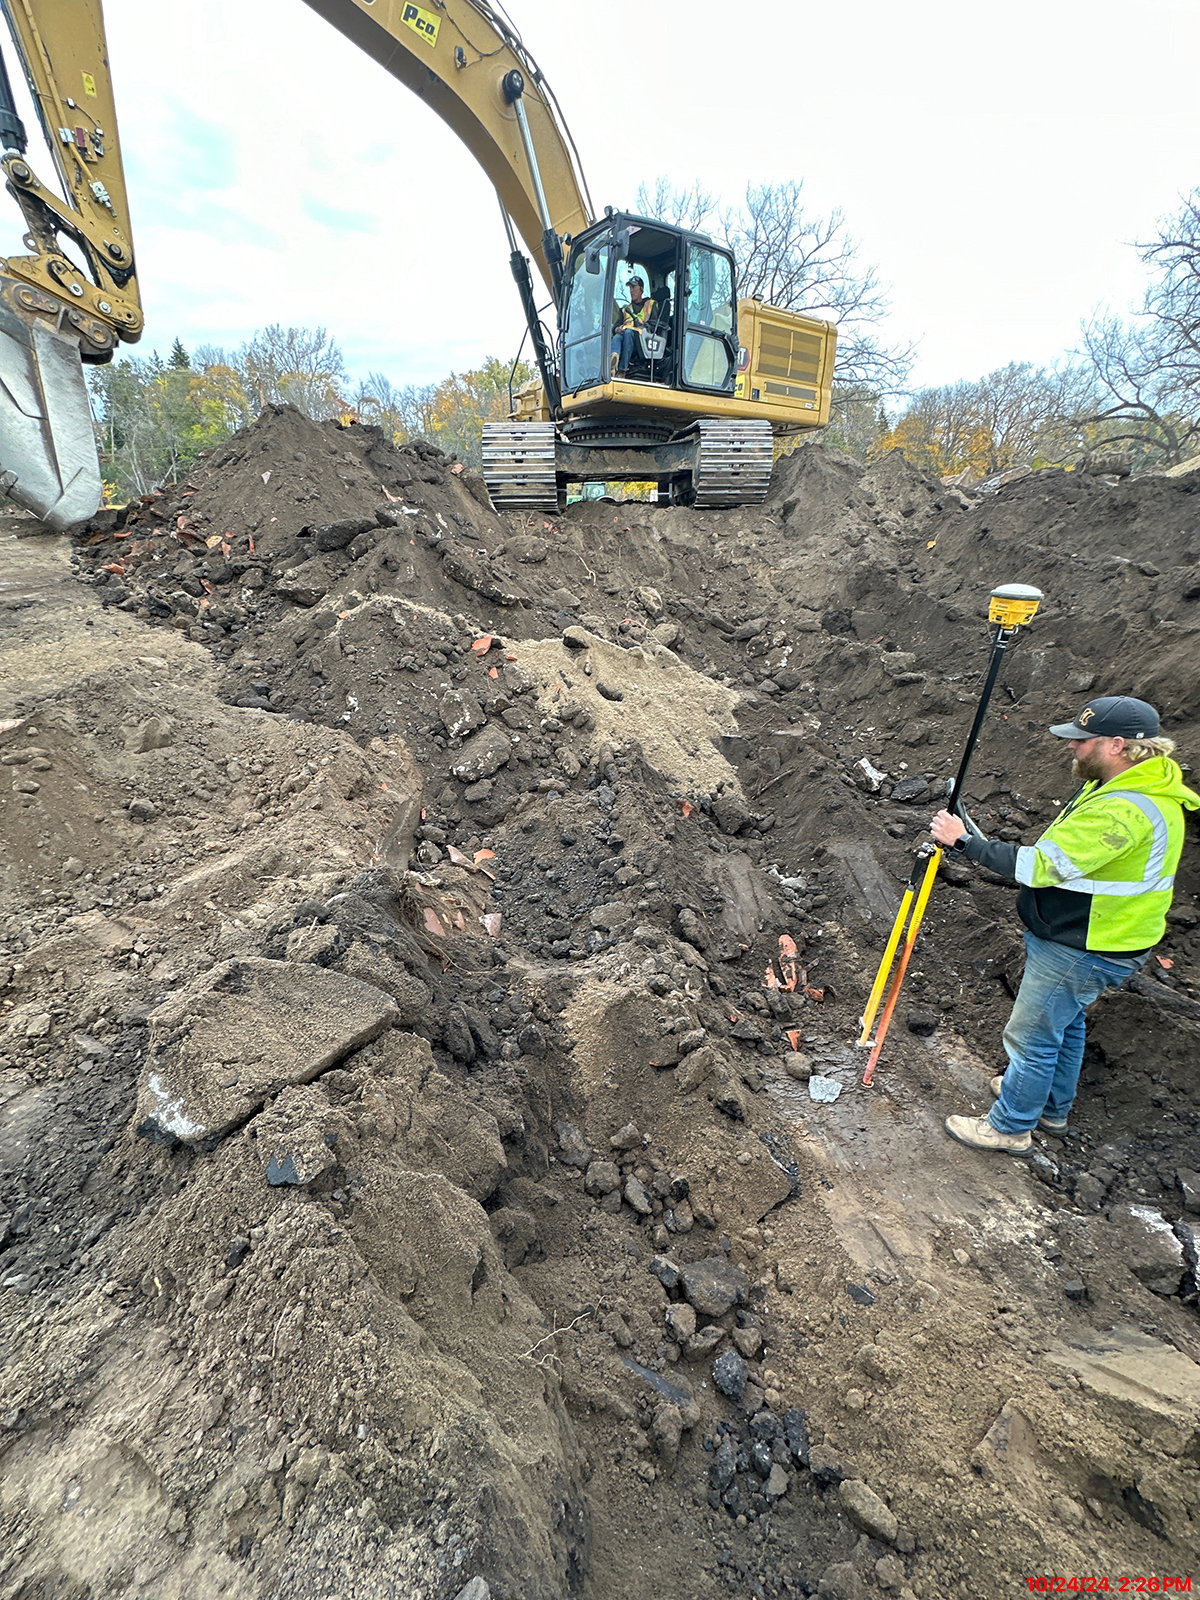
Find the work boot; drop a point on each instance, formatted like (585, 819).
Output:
(613, 365)
(1046, 1123)
(978, 1133)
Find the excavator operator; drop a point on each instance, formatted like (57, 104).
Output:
(628, 321)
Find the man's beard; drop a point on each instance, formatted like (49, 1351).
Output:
(1087, 769)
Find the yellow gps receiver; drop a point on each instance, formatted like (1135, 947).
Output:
(1013, 604)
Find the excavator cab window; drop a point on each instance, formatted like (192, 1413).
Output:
(587, 317)
(710, 341)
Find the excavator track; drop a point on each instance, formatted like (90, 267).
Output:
(734, 463)
(518, 466)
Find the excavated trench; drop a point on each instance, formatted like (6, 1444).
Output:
(411, 1181)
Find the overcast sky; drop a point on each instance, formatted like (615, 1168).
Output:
(996, 161)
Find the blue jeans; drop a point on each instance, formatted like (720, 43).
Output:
(1044, 1035)
(625, 345)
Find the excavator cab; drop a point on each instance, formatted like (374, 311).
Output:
(692, 338)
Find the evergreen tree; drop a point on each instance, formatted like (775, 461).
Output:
(179, 356)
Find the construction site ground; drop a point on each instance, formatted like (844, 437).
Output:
(413, 1176)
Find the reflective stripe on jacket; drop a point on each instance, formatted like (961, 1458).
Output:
(1101, 876)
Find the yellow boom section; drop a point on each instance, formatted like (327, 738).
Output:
(456, 54)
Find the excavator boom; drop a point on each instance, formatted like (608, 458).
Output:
(457, 56)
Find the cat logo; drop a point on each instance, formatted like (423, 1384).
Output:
(421, 22)
(1085, 716)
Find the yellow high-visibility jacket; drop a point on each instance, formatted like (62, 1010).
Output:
(1101, 876)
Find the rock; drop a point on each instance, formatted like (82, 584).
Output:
(577, 638)
(1188, 1234)
(666, 1431)
(797, 1065)
(702, 1344)
(337, 535)
(308, 1466)
(694, 1069)
(825, 1465)
(602, 1177)
(731, 813)
(822, 1089)
(841, 1582)
(461, 713)
(778, 1482)
(532, 1040)
(1189, 1188)
(692, 929)
(319, 944)
(714, 1286)
(922, 1023)
(573, 1150)
(156, 733)
(142, 810)
(1153, 1252)
(867, 1511)
(482, 755)
(290, 1142)
(477, 1589)
(1089, 1191)
(475, 792)
(665, 1271)
(636, 1196)
(795, 1431)
(615, 914)
(459, 1039)
(39, 1025)
(889, 1573)
(279, 1023)
(626, 1138)
(680, 1319)
(729, 1374)
(306, 584)
(615, 1325)
(748, 1341)
(911, 790)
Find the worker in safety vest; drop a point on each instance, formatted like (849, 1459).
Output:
(628, 322)
(1095, 891)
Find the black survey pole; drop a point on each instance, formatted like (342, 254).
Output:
(1010, 607)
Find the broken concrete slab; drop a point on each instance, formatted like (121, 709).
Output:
(1127, 1366)
(238, 1034)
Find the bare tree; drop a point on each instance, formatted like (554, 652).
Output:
(800, 260)
(1145, 390)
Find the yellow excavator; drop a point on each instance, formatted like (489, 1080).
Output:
(692, 398)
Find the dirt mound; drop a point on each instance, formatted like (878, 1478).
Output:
(409, 1176)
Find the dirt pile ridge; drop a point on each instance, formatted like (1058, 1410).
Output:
(408, 1184)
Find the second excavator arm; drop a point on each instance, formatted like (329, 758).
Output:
(52, 313)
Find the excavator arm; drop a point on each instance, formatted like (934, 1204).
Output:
(53, 315)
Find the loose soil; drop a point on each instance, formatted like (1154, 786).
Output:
(410, 1181)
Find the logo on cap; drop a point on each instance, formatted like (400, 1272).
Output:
(1085, 717)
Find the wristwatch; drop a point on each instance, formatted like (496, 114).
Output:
(961, 842)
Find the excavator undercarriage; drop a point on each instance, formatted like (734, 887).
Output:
(528, 465)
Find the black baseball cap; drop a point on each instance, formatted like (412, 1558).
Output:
(1112, 716)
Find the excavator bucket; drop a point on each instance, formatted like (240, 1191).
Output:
(47, 446)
